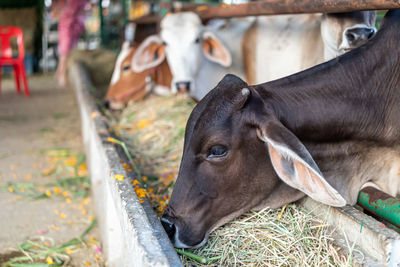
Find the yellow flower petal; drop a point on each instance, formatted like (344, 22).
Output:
(119, 177)
(49, 260)
(49, 171)
(56, 190)
(71, 161)
(111, 140)
(142, 124)
(94, 114)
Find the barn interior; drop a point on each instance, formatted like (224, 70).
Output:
(94, 104)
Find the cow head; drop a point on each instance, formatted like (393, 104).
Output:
(127, 85)
(237, 156)
(342, 32)
(185, 43)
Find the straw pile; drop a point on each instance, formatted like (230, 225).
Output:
(154, 130)
(290, 236)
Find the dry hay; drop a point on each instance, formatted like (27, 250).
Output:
(289, 236)
(154, 130)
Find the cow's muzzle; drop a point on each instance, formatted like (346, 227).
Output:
(183, 87)
(359, 35)
(107, 104)
(113, 105)
(173, 232)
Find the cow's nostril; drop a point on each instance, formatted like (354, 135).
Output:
(107, 104)
(359, 35)
(169, 227)
(350, 36)
(369, 32)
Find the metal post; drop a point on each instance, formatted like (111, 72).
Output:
(380, 204)
(273, 7)
(126, 6)
(101, 22)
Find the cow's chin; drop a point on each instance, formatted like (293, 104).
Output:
(179, 244)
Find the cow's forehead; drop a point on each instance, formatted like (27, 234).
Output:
(215, 107)
(181, 26)
(123, 55)
(179, 19)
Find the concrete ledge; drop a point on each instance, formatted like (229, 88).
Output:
(380, 245)
(131, 233)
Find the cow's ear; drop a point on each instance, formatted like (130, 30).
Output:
(215, 51)
(149, 54)
(294, 164)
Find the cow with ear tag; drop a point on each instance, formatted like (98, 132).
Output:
(198, 56)
(325, 132)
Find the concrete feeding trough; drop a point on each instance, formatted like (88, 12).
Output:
(131, 232)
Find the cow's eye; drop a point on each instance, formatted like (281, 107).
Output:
(164, 43)
(217, 152)
(197, 40)
(126, 67)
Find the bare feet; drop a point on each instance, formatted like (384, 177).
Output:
(61, 72)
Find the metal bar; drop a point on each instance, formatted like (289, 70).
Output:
(274, 7)
(380, 204)
(102, 34)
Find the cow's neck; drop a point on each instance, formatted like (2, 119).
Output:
(351, 97)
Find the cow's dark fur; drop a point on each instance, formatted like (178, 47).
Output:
(346, 112)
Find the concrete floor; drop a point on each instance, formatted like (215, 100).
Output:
(48, 119)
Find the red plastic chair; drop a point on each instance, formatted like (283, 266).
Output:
(7, 59)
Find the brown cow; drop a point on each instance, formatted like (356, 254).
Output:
(325, 132)
(127, 85)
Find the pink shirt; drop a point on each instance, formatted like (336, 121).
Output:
(71, 24)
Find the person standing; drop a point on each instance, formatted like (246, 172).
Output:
(70, 27)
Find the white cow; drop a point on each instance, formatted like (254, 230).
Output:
(277, 46)
(199, 56)
(258, 50)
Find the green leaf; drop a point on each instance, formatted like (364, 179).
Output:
(31, 265)
(88, 229)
